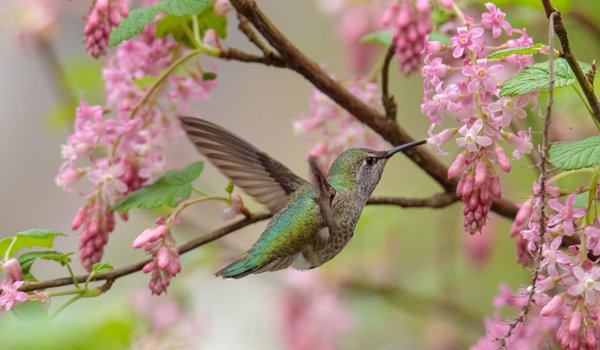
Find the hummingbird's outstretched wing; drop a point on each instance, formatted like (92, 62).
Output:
(261, 176)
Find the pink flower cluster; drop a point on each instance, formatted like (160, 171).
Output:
(411, 23)
(460, 82)
(313, 316)
(159, 242)
(119, 155)
(567, 299)
(537, 333)
(13, 279)
(339, 128)
(103, 15)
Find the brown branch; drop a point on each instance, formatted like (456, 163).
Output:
(387, 100)
(245, 27)
(435, 201)
(270, 59)
(521, 318)
(561, 32)
(439, 200)
(389, 130)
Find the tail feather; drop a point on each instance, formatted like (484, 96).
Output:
(238, 269)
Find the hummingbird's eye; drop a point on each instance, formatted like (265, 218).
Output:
(370, 160)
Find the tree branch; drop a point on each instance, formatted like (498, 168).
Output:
(389, 130)
(436, 201)
(270, 59)
(561, 32)
(387, 100)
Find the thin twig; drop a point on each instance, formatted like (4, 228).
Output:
(389, 130)
(387, 100)
(435, 201)
(245, 27)
(271, 59)
(542, 193)
(561, 33)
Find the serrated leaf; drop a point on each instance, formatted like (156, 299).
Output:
(102, 267)
(536, 78)
(138, 19)
(132, 25)
(383, 38)
(26, 260)
(576, 154)
(30, 238)
(183, 7)
(525, 50)
(31, 312)
(229, 187)
(437, 36)
(167, 190)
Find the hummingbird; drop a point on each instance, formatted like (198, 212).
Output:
(311, 223)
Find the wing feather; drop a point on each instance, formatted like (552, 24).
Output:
(264, 178)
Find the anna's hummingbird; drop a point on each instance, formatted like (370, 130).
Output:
(310, 224)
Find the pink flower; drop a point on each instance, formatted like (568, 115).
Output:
(11, 296)
(495, 20)
(165, 264)
(472, 141)
(522, 143)
(12, 270)
(566, 214)
(481, 75)
(551, 255)
(443, 99)
(508, 109)
(436, 140)
(466, 39)
(103, 15)
(586, 283)
(222, 7)
(236, 208)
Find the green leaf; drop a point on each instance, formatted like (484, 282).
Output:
(133, 25)
(576, 154)
(229, 188)
(31, 312)
(138, 19)
(383, 38)
(167, 190)
(437, 36)
(180, 28)
(525, 50)
(581, 200)
(101, 267)
(536, 78)
(26, 260)
(27, 239)
(183, 7)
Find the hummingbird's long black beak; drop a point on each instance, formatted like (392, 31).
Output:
(397, 149)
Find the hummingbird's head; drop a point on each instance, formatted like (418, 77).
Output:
(364, 167)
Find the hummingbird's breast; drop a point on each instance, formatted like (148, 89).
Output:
(346, 209)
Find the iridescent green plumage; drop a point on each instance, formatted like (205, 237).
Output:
(311, 224)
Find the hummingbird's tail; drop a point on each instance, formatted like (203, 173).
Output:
(239, 269)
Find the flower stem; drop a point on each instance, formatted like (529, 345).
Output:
(190, 202)
(75, 283)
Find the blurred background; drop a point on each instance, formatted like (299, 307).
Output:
(409, 279)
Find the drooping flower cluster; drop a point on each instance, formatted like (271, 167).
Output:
(160, 244)
(103, 15)
(411, 23)
(119, 155)
(339, 128)
(567, 295)
(313, 316)
(461, 83)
